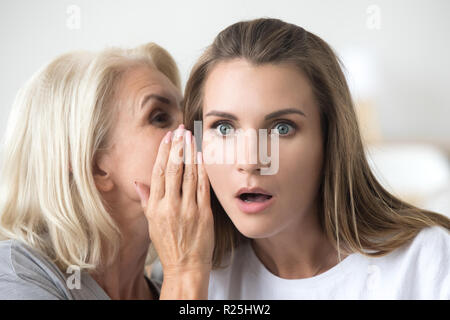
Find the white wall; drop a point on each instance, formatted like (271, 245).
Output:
(403, 67)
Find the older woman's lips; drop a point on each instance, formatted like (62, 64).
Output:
(254, 203)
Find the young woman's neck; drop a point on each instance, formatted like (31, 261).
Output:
(300, 251)
(124, 278)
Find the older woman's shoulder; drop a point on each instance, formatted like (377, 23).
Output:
(27, 274)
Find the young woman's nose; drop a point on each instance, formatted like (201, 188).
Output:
(249, 168)
(247, 156)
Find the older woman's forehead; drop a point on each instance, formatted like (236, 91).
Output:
(139, 77)
(141, 83)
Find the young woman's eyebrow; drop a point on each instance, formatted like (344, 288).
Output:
(267, 117)
(221, 114)
(283, 112)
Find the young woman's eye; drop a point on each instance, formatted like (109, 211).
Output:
(223, 128)
(284, 128)
(160, 119)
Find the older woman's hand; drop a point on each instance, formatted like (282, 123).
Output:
(178, 211)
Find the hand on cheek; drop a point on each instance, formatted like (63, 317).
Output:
(177, 207)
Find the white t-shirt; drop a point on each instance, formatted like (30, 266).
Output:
(418, 270)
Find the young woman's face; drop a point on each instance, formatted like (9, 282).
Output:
(239, 95)
(148, 105)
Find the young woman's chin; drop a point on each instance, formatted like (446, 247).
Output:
(256, 226)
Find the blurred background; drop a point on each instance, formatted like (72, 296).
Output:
(396, 55)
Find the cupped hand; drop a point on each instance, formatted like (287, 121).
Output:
(177, 207)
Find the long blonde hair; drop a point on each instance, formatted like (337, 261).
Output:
(59, 120)
(356, 213)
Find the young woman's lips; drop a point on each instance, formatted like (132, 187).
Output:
(254, 207)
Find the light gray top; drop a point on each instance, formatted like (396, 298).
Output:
(27, 274)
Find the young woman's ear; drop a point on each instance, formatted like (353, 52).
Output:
(102, 175)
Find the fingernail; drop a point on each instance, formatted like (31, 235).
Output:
(178, 134)
(167, 137)
(188, 137)
(199, 158)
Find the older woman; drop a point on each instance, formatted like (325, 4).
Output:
(83, 133)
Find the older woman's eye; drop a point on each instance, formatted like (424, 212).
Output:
(161, 120)
(223, 128)
(284, 128)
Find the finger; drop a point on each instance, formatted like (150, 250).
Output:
(174, 169)
(203, 196)
(157, 188)
(143, 191)
(189, 184)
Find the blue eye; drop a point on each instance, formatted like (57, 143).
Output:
(224, 128)
(283, 128)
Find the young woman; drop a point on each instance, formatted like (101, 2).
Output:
(82, 134)
(322, 226)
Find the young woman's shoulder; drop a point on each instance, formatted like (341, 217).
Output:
(26, 274)
(432, 245)
(432, 241)
(423, 266)
(428, 252)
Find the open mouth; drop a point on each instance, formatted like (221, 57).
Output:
(254, 197)
(254, 202)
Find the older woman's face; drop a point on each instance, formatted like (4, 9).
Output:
(147, 105)
(239, 95)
